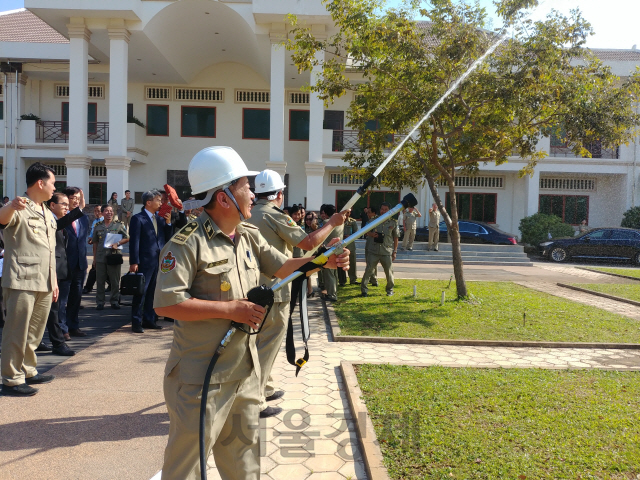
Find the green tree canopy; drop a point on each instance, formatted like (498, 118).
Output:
(541, 81)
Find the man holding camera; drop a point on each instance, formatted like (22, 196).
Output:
(382, 249)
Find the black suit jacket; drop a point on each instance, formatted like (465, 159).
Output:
(62, 269)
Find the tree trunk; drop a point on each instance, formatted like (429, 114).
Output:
(454, 234)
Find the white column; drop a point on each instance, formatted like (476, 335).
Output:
(532, 193)
(118, 163)
(315, 184)
(77, 161)
(277, 35)
(316, 115)
(13, 166)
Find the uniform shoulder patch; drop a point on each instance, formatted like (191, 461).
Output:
(185, 232)
(100, 223)
(168, 263)
(290, 222)
(208, 228)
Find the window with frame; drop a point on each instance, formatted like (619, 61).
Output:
(198, 122)
(299, 125)
(256, 123)
(480, 207)
(571, 209)
(158, 120)
(92, 118)
(2, 110)
(97, 193)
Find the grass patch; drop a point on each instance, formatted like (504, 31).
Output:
(495, 312)
(447, 423)
(632, 292)
(629, 272)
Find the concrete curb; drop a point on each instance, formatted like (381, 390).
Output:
(331, 319)
(600, 294)
(369, 446)
(610, 273)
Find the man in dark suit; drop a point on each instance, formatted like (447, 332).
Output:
(148, 232)
(77, 264)
(59, 206)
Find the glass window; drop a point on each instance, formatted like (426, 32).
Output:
(199, 122)
(571, 209)
(480, 207)
(1, 110)
(158, 120)
(298, 124)
(92, 117)
(624, 235)
(599, 234)
(98, 193)
(256, 123)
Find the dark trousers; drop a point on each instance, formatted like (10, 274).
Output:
(53, 326)
(142, 305)
(63, 297)
(76, 281)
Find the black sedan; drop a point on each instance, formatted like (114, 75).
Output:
(600, 243)
(472, 232)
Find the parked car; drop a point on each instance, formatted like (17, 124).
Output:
(471, 231)
(600, 243)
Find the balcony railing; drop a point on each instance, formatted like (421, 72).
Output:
(563, 150)
(352, 141)
(58, 132)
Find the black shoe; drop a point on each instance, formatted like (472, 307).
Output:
(355, 282)
(100, 307)
(22, 390)
(63, 351)
(331, 298)
(151, 326)
(311, 295)
(374, 284)
(276, 395)
(85, 291)
(115, 306)
(40, 378)
(167, 319)
(76, 332)
(270, 412)
(137, 329)
(364, 294)
(43, 347)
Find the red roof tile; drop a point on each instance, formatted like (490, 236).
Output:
(24, 26)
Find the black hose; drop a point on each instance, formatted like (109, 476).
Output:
(203, 413)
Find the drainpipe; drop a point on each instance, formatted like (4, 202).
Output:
(6, 132)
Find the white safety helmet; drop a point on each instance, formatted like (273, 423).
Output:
(213, 167)
(268, 181)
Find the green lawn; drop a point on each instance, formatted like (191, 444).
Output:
(632, 292)
(462, 423)
(494, 313)
(629, 272)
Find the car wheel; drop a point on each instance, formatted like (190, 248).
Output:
(636, 258)
(558, 254)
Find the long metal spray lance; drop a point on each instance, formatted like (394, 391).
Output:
(264, 296)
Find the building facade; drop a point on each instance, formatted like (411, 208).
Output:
(125, 93)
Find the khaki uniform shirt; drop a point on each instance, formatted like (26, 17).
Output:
(100, 233)
(337, 232)
(350, 227)
(390, 230)
(281, 232)
(434, 219)
(114, 205)
(127, 205)
(202, 262)
(30, 243)
(410, 219)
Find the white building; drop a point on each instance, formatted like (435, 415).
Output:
(199, 73)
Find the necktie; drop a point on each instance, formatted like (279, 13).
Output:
(155, 224)
(75, 227)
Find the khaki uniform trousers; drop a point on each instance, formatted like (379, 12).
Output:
(126, 220)
(374, 276)
(371, 270)
(434, 237)
(268, 344)
(23, 330)
(232, 428)
(330, 280)
(104, 271)
(409, 237)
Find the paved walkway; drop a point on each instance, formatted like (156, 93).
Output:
(104, 416)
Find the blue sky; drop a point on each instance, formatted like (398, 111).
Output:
(615, 21)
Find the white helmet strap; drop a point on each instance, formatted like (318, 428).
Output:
(193, 204)
(233, 199)
(274, 196)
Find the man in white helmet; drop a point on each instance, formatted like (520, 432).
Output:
(283, 233)
(206, 271)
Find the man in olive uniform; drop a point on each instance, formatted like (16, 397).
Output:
(372, 213)
(28, 279)
(383, 249)
(283, 233)
(410, 220)
(127, 205)
(350, 227)
(206, 271)
(434, 227)
(330, 277)
(100, 254)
